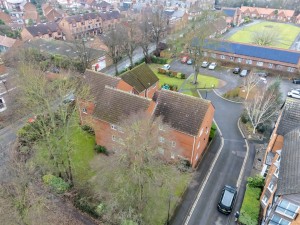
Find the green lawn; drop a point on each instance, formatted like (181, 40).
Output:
(250, 209)
(286, 33)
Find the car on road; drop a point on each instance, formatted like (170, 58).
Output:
(190, 62)
(296, 80)
(166, 66)
(205, 64)
(261, 74)
(236, 70)
(243, 73)
(227, 199)
(212, 66)
(184, 59)
(294, 94)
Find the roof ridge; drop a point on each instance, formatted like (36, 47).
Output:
(188, 96)
(96, 72)
(126, 92)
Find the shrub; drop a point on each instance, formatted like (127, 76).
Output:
(128, 222)
(85, 205)
(256, 181)
(181, 75)
(56, 183)
(101, 149)
(174, 73)
(158, 60)
(100, 209)
(212, 131)
(244, 117)
(88, 129)
(162, 71)
(184, 165)
(232, 93)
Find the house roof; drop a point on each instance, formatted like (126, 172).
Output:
(5, 18)
(182, 112)
(274, 54)
(115, 104)
(289, 171)
(140, 77)
(42, 28)
(229, 11)
(104, 16)
(52, 15)
(6, 41)
(97, 82)
(268, 11)
(102, 4)
(290, 116)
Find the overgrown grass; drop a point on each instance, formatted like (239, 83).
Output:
(232, 94)
(250, 209)
(286, 33)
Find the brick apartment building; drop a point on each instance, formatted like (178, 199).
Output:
(233, 16)
(48, 31)
(253, 55)
(280, 199)
(80, 26)
(189, 118)
(281, 15)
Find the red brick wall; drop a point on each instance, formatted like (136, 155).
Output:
(122, 85)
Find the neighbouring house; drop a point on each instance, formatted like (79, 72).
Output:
(253, 55)
(189, 118)
(48, 31)
(218, 27)
(203, 4)
(232, 16)
(89, 24)
(280, 199)
(51, 14)
(142, 80)
(297, 19)
(31, 15)
(6, 43)
(281, 15)
(177, 19)
(102, 6)
(5, 18)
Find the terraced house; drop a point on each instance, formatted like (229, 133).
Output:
(253, 55)
(280, 199)
(88, 24)
(188, 118)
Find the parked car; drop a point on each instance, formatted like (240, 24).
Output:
(294, 94)
(236, 70)
(212, 66)
(243, 73)
(184, 59)
(296, 80)
(205, 64)
(190, 62)
(166, 66)
(262, 74)
(227, 199)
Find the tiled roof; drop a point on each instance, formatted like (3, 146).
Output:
(97, 82)
(289, 171)
(115, 104)
(290, 116)
(268, 53)
(140, 77)
(268, 11)
(102, 4)
(53, 15)
(5, 18)
(104, 15)
(42, 28)
(7, 41)
(229, 12)
(182, 112)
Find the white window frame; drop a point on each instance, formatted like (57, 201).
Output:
(286, 209)
(279, 220)
(199, 144)
(201, 132)
(239, 60)
(161, 139)
(172, 155)
(290, 69)
(222, 57)
(160, 127)
(113, 127)
(84, 110)
(271, 187)
(259, 63)
(113, 138)
(231, 58)
(248, 61)
(173, 144)
(264, 200)
(161, 151)
(4, 105)
(276, 173)
(270, 65)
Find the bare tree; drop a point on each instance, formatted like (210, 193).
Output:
(265, 37)
(264, 106)
(159, 22)
(115, 42)
(249, 82)
(146, 37)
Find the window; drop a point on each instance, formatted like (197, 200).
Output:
(265, 171)
(161, 151)
(222, 56)
(290, 69)
(276, 172)
(206, 132)
(113, 138)
(277, 220)
(213, 55)
(260, 63)
(114, 127)
(271, 186)
(231, 58)
(279, 67)
(161, 140)
(2, 105)
(201, 131)
(270, 65)
(160, 127)
(172, 155)
(265, 199)
(239, 60)
(278, 159)
(248, 61)
(287, 209)
(84, 110)
(198, 146)
(173, 143)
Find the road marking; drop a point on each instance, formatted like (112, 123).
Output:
(207, 176)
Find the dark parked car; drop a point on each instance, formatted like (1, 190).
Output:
(236, 70)
(296, 80)
(227, 199)
(262, 74)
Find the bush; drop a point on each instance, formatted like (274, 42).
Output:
(181, 76)
(88, 129)
(244, 117)
(100, 209)
(256, 181)
(158, 60)
(85, 205)
(139, 62)
(56, 183)
(232, 93)
(101, 149)
(212, 131)
(184, 165)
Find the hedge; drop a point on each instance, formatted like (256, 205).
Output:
(56, 183)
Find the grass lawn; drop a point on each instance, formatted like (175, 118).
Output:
(286, 33)
(250, 208)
